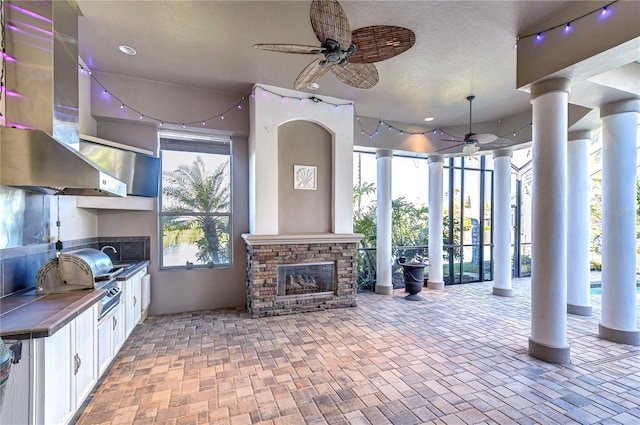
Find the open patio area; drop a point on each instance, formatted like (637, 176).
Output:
(458, 357)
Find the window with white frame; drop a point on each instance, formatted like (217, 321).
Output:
(195, 203)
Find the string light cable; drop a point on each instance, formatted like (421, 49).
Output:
(382, 124)
(539, 35)
(203, 122)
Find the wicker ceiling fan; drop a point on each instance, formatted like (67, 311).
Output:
(472, 141)
(349, 55)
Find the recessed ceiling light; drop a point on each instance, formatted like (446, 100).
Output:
(428, 119)
(127, 50)
(313, 86)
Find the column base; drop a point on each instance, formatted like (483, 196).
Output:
(435, 285)
(619, 336)
(503, 292)
(579, 310)
(557, 355)
(384, 289)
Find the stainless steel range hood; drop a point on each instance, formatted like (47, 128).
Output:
(39, 144)
(33, 160)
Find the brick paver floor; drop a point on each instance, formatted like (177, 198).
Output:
(458, 357)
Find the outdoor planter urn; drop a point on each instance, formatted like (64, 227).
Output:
(413, 273)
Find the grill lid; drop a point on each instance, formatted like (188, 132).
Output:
(73, 270)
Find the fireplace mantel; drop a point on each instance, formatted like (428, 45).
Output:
(301, 238)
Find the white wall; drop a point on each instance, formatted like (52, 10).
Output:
(268, 112)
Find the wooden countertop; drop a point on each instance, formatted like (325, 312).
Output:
(30, 315)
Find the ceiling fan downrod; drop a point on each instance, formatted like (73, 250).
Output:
(470, 99)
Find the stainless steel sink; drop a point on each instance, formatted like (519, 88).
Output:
(124, 266)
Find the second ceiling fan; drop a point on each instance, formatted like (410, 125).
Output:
(472, 141)
(349, 55)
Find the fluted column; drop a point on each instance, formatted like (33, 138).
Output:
(502, 223)
(383, 235)
(619, 140)
(548, 339)
(436, 198)
(578, 267)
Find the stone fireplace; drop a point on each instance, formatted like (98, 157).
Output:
(301, 249)
(300, 273)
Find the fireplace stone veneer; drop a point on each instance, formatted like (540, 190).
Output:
(266, 252)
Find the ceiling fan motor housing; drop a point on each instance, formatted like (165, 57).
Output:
(333, 52)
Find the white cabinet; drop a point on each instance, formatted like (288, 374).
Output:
(84, 357)
(133, 300)
(65, 369)
(110, 337)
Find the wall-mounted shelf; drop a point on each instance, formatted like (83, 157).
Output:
(139, 203)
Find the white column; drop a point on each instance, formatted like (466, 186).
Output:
(578, 225)
(502, 223)
(619, 139)
(383, 245)
(436, 198)
(548, 339)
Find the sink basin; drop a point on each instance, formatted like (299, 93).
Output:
(124, 266)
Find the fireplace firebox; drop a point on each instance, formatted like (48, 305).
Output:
(306, 279)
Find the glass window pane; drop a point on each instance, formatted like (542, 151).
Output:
(486, 260)
(195, 199)
(488, 190)
(488, 162)
(195, 182)
(199, 240)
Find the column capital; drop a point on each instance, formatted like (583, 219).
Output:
(619, 107)
(383, 153)
(579, 135)
(435, 158)
(551, 85)
(503, 152)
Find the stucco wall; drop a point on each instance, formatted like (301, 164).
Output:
(179, 290)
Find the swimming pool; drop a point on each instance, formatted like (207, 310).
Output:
(597, 290)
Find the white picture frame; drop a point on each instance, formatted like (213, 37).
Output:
(304, 177)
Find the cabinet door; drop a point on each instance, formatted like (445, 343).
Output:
(85, 357)
(105, 350)
(118, 329)
(137, 297)
(54, 373)
(128, 290)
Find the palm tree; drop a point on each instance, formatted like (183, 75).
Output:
(191, 193)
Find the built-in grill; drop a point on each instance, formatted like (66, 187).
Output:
(81, 269)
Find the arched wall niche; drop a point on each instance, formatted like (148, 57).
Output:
(305, 178)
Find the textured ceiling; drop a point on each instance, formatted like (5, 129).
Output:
(462, 48)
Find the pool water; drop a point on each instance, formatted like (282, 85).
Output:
(597, 290)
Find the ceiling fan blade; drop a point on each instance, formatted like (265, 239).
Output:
(380, 42)
(329, 21)
(290, 48)
(310, 74)
(449, 147)
(484, 139)
(360, 75)
(501, 142)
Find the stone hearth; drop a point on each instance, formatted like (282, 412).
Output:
(266, 252)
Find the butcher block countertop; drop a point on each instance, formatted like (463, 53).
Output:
(29, 315)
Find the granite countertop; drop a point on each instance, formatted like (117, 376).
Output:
(29, 315)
